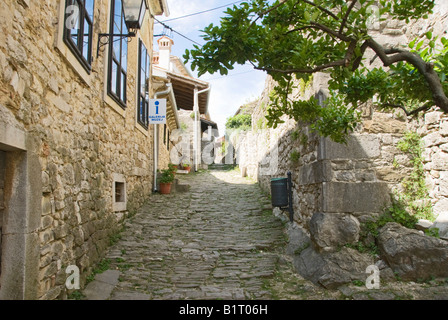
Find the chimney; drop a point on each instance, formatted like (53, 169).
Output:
(165, 45)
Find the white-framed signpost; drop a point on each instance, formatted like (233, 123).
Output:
(157, 111)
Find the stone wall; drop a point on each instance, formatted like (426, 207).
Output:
(356, 178)
(434, 131)
(84, 142)
(337, 187)
(330, 177)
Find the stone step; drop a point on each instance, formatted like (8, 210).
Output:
(220, 166)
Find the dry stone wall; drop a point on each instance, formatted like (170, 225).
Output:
(371, 157)
(338, 187)
(434, 131)
(327, 176)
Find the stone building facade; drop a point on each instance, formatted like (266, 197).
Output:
(76, 152)
(192, 96)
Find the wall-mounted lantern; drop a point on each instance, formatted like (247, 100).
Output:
(281, 194)
(134, 13)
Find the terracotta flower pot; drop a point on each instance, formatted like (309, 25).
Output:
(165, 188)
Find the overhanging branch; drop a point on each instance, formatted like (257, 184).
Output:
(328, 12)
(347, 14)
(338, 63)
(426, 69)
(425, 107)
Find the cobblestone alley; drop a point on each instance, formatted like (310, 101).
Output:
(220, 240)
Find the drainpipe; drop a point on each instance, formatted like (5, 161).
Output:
(156, 137)
(196, 147)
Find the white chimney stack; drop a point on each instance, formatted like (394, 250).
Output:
(165, 45)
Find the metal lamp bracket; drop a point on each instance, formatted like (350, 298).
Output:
(108, 37)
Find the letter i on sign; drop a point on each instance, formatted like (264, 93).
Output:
(157, 106)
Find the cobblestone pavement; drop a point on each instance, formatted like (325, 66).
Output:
(220, 240)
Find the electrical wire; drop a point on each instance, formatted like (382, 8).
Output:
(172, 30)
(201, 12)
(190, 15)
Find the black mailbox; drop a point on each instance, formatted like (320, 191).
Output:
(281, 194)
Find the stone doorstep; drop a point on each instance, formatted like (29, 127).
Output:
(180, 187)
(103, 284)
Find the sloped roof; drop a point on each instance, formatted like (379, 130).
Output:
(184, 91)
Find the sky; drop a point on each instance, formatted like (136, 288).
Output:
(228, 93)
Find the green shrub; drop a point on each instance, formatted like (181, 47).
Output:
(240, 121)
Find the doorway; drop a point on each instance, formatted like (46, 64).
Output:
(2, 201)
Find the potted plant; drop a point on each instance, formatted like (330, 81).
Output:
(166, 180)
(186, 166)
(172, 168)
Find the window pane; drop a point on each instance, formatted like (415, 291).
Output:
(117, 27)
(143, 75)
(123, 87)
(89, 8)
(118, 53)
(118, 13)
(146, 112)
(75, 31)
(86, 41)
(78, 30)
(124, 54)
(116, 48)
(72, 13)
(114, 77)
(124, 29)
(140, 111)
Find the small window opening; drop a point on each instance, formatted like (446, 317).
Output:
(120, 192)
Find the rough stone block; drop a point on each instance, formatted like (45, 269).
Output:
(330, 231)
(384, 123)
(357, 147)
(440, 161)
(332, 270)
(298, 239)
(444, 129)
(414, 256)
(349, 197)
(441, 207)
(441, 223)
(315, 172)
(434, 139)
(432, 117)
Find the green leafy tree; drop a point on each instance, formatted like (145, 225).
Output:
(292, 39)
(240, 121)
